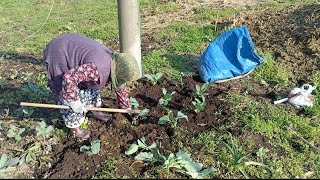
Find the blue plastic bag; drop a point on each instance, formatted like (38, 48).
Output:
(230, 55)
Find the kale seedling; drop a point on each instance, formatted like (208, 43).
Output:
(183, 162)
(169, 118)
(166, 97)
(93, 149)
(154, 77)
(15, 132)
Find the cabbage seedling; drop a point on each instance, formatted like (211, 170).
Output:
(166, 97)
(154, 77)
(148, 153)
(136, 106)
(183, 162)
(6, 164)
(199, 105)
(169, 118)
(93, 149)
(15, 132)
(43, 130)
(201, 90)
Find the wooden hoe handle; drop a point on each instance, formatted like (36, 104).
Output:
(88, 108)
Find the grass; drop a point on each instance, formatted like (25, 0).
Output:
(288, 156)
(23, 32)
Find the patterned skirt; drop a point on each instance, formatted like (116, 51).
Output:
(89, 97)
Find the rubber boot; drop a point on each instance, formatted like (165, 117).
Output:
(102, 116)
(81, 133)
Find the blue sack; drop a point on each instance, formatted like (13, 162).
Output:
(230, 55)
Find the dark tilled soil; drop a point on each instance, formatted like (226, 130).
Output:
(120, 133)
(292, 34)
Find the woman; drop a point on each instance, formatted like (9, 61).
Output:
(78, 67)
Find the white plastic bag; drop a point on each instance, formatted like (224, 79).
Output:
(299, 97)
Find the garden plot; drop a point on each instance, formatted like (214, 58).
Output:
(189, 129)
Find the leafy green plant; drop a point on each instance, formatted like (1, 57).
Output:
(42, 80)
(183, 162)
(28, 111)
(239, 156)
(15, 132)
(154, 77)
(136, 106)
(149, 153)
(44, 130)
(6, 164)
(169, 118)
(26, 76)
(93, 149)
(34, 154)
(201, 91)
(166, 97)
(199, 105)
(35, 91)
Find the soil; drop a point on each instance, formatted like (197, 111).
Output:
(120, 133)
(291, 33)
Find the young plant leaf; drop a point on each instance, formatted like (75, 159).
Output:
(132, 149)
(134, 102)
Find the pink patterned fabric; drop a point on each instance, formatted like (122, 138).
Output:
(85, 73)
(123, 98)
(88, 73)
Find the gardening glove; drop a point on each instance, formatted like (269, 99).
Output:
(77, 107)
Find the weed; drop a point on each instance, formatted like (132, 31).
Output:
(42, 80)
(85, 123)
(238, 156)
(269, 71)
(26, 76)
(34, 154)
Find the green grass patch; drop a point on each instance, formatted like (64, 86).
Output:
(269, 72)
(210, 13)
(174, 66)
(293, 159)
(32, 26)
(185, 38)
(315, 109)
